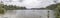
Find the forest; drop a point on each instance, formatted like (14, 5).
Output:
(56, 8)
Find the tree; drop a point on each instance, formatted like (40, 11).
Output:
(2, 10)
(56, 8)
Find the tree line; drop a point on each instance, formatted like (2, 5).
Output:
(4, 8)
(11, 7)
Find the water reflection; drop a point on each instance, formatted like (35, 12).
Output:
(29, 14)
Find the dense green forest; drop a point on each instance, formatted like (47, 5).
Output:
(56, 8)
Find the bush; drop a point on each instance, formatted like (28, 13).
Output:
(2, 10)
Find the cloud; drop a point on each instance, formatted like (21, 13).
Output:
(32, 3)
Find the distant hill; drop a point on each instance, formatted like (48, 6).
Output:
(38, 8)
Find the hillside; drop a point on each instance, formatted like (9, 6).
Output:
(56, 8)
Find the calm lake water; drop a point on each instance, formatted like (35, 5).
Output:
(29, 14)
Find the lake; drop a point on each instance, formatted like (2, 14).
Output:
(29, 14)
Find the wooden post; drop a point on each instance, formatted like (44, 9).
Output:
(48, 14)
(40, 16)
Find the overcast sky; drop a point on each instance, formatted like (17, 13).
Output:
(30, 3)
